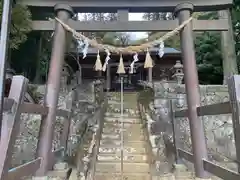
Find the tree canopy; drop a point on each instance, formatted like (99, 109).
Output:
(20, 25)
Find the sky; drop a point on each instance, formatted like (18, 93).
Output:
(134, 17)
(137, 17)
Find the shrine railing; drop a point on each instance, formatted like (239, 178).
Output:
(230, 107)
(13, 107)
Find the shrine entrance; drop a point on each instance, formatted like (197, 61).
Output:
(130, 80)
(64, 27)
(184, 24)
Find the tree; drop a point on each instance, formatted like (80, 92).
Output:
(173, 41)
(20, 25)
(209, 58)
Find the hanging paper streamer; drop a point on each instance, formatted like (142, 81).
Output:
(80, 45)
(106, 60)
(121, 69)
(148, 61)
(98, 64)
(135, 59)
(85, 49)
(161, 49)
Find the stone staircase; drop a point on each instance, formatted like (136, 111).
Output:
(134, 157)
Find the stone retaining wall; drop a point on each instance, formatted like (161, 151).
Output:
(82, 127)
(218, 129)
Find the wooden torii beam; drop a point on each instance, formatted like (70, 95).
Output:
(132, 6)
(136, 26)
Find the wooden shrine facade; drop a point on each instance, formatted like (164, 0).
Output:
(161, 70)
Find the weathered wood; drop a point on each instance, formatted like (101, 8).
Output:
(185, 155)
(219, 171)
(122, 15)
(44, 147)
(135, 26)
(133, 6)
(11, 124)
(40, 109)
(26, 169)
(234, 95)
(34, 109)
(212, 109)
(229, 58)
(212, 168)
(8, 103)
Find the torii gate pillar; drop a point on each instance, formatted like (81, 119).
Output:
(183, 12)
(44, 150)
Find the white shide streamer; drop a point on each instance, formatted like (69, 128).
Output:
(85, 49)
(135, 59)
(108, 56)
(161, 49)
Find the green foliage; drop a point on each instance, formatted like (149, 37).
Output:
(209, 58)
(207, 46)
(20, 25)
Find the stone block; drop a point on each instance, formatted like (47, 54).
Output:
(164, 177)
(40, 178)
(46, 178)
(60, 166)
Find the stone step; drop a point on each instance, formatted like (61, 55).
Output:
(134, 158)
(119, 120)
(109, 114)
(108, 130)
(138, 144)
(126, 137)
(126, 176)
(164, 177)
(184, 175)
(112, 167)
(125, 125)
(112, 149)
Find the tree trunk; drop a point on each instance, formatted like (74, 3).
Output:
(228, 47)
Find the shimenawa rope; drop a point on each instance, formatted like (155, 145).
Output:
(128, 49)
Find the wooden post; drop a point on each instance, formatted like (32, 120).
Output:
(108, 77)
(183, 12)
(234, 95)
(228, 47)
(44, 148)
(150, 74)
(11, 124)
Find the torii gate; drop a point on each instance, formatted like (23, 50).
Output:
(64, 10)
